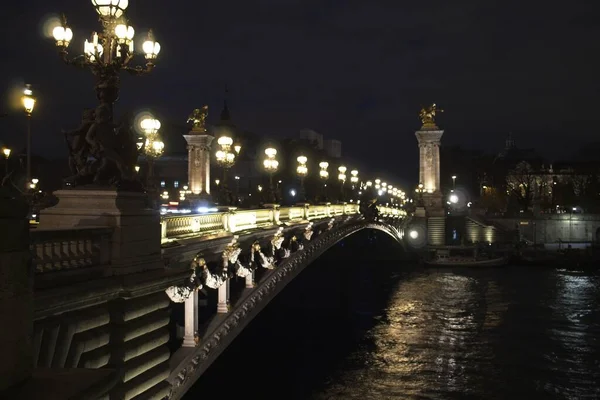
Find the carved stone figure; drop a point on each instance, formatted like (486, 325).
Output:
(198, 119)
(76, 142)
(427, 115)
(111, 147)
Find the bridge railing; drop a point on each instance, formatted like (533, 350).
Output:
(68, 249)
(173, 226)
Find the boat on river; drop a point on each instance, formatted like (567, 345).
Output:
(463, 258)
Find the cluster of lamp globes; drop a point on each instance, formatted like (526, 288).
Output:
(153, 145)
(225, 156)
(116, 40)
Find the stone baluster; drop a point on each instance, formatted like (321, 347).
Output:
(250, 280)
(223, 290)
(191, 320)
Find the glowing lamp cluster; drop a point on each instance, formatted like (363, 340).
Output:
(354, 176)
(116, 39)
(323, 173)
(225, 157)
(153, 145)
(342, 173)
(302, 169)
(270, 163)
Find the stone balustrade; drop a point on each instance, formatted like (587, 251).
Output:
(65, 249)
(173, 226)
(68, 249)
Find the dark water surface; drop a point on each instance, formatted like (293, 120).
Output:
(363, 324)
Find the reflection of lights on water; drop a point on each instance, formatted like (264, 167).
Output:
(413, 234)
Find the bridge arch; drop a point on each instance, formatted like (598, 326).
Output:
(250, 306)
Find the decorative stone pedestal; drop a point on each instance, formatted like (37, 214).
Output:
(135, 242)
(432, 209)
(199, 142)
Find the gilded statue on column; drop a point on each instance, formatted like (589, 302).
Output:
(198, 119)
(427, 115)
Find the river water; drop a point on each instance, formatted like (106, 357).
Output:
(364, 323)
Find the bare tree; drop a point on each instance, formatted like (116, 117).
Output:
(521, 183)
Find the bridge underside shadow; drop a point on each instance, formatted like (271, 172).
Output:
(316, 322)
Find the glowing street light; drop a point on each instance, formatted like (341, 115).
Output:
(271, 165)
(342, 178)
(106, 54)
(6, 151)
(28, 102)
(324, 175)
(226, 158)
(302, 171)
(152, 148)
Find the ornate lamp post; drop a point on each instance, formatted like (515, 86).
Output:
(324, 175)
(106, 55)
(420, 189)
(271, 165)
(302, 171)
(342, 178)
(28, 104)
(153, 148)
(225, 159)
(6, 151)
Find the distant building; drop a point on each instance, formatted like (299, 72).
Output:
(313, 137)
(333, 148)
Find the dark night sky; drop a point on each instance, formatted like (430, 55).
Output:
(357, 71)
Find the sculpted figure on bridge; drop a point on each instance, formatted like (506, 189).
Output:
(427, 115)
(198, 119)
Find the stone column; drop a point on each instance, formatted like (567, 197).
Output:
(250, 280)
(429, 151)
(16, 293)
(199, 142)
(222, 299)
(191, 320)
(223, 291)
(429, 137)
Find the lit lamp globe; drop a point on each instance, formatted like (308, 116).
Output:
(28, 100)
(124, 34)
(62, 35)
(150, 125)
(225, 141)
(151, 47)
(110, 9)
